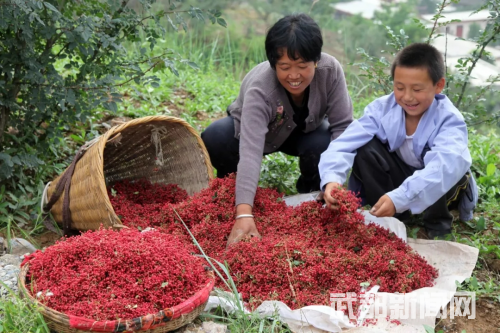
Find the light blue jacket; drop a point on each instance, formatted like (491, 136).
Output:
(440, 142)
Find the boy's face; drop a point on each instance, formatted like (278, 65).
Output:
(414, 90)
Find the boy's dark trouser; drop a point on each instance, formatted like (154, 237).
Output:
(381, 171)
(223, 149)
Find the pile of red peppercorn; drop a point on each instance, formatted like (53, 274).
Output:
(109, 275)
(306, 252)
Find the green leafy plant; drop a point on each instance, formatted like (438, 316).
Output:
(484, 151)
(482, 288)
(61, 62)
(280, 171)
(19, 315)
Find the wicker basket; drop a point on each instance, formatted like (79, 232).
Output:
(163, 321)
(160, 149)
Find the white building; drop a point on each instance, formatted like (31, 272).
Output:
(365, 8)
(454, 49)
(462, 28)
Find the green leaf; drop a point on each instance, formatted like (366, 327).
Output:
(13, 197)
(173, 70)
(481, 224)
(172, 24)
(112, 106)
(391, 262)
(490, 169)
(221, 22)
(76, 138)
(23, 214)
(51, 7)
(193, 65)
(7, 159)
(164, 284)
(86, 34)
(429, 329)
(473, 282)
(16, 160)
(19, 219)
(70, 97)
(365, 284)
(410, 275)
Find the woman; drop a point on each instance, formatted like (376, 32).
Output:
(296, 103)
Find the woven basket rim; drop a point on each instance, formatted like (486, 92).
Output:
(103, 140)
(52, 313)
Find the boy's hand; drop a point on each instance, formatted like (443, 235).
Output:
(330, 201)
(384, 207)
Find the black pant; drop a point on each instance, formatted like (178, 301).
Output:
(223, 149)
(381, 171)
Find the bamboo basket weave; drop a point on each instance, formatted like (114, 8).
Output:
(160, 149)
(166, 320)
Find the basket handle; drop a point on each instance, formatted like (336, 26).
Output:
(65, 184)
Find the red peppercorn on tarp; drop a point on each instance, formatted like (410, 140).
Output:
(397, 313)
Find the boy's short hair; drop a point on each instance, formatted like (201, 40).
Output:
(299, 34)
(421, 55)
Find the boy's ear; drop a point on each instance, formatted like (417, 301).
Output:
(440, 85)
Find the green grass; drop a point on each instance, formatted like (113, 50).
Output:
(19, 315)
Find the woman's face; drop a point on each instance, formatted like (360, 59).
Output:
(294, 75)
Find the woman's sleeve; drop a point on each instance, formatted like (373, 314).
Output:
(255, 117)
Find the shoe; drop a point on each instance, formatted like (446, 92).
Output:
(440, 235)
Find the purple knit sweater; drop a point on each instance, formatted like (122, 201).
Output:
(260, 128)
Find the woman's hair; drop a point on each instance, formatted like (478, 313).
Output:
(299, 34)
(420, 55)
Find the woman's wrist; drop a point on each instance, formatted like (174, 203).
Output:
(243, 216)
(243, 211)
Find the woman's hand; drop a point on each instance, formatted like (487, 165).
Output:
(384, 207)
(243, 227)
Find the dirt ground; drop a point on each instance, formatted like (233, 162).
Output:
(487, 320)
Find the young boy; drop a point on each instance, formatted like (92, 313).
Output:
(408, 152)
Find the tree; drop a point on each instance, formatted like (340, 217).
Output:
(474, 31)
(371, 34)
(61, 59)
